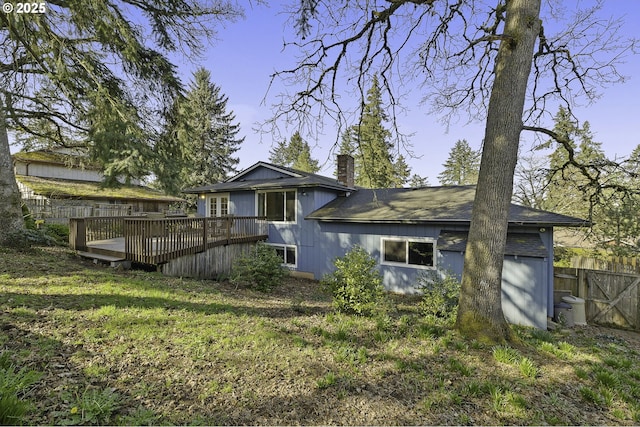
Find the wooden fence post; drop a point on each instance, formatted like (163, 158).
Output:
(582, 284)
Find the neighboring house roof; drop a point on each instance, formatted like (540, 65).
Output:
(55, 158)
(449, 204)
(520, 244)
(66, 189)
(291, 178)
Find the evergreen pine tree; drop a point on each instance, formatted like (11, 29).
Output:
(462, 165)
(348, 141)
(304, 162)
(402, 171)
(296, 154)
(617, 223)
(170, 161)
(567, 189)
(417, 181)
(374, 163)
(210, 136)
(89, 74)
(279, 154)
(634, 167)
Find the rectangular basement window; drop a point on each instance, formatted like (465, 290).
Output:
(408, 252)
(288, 253)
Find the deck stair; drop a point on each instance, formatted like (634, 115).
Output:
(113, 261)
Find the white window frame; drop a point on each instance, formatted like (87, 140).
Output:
(284, 207)
(406, 241)
(218, 199)
(284, 248)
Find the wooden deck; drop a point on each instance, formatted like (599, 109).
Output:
(159, 240)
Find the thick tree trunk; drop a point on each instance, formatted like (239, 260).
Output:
(480, 313)
(11, 221)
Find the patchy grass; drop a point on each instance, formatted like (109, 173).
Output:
(137, 348)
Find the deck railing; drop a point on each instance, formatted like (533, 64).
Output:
(91, 229)
(157, 240)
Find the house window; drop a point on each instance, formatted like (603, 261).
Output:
(218, 205)
(288, 253)
(277, 205)
(414, 252)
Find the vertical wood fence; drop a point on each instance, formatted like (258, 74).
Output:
(613, 264)
(611, 298)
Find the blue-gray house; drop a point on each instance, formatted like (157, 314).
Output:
(314, 219)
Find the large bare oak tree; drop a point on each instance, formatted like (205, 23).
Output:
(491, 60)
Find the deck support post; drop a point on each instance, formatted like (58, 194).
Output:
(77, 234)
(206, 233)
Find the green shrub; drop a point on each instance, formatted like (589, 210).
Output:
(261, 268)
(39, 233)
(440, 296)
(58, 232)
(356, 285)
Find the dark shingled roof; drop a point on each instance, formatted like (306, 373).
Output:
(296, 178)
(521, 244)
(450, 204)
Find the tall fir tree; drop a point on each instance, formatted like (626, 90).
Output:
(617, 223)
(304, 162)
(348, 141)
(295, 154)
(567, 189)
(417, 181)
(634, 166)
(170, 159)
(462, 165)
(402, 172)
(279, 155)
(374, 161)
(206, 132)
(94, 74)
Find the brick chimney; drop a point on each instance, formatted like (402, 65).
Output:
(346, 170)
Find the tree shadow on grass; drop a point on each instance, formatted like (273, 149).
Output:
(57, 397)
(81, 302)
